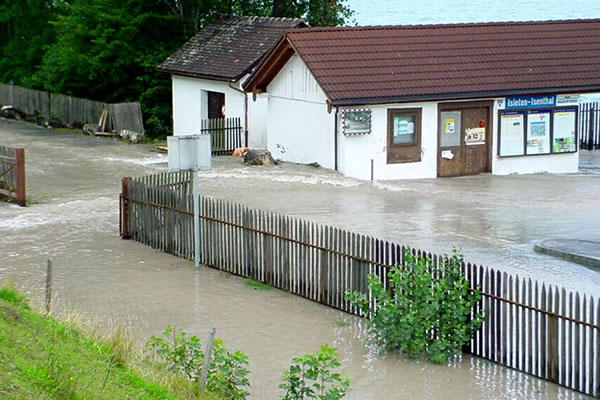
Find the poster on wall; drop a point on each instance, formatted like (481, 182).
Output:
(565, 132)
(356, 122)
(538, 132)
(474, 136)
(451, 128)
(512, 133)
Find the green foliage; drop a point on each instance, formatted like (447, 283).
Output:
(257, 285)
(424, 312)
(311, 377)
(10, 295)
(108, 50)
(227, 374)
(46, 359)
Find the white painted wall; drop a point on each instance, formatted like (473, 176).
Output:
(190, 107)
(257, 120)
(355, 152)
(299, 127)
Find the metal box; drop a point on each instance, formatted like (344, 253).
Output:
(189, 152)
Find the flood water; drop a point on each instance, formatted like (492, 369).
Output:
(74, 180)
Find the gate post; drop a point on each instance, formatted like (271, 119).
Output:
(124, 209)
(20, 177)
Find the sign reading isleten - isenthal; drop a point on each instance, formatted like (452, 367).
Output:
(530, 101)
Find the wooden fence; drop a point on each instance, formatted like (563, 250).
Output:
(226, 134)
(535, 328)
(12, 174)
(589, 126)
(72, 111)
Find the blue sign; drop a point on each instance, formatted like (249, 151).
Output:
(530, 101)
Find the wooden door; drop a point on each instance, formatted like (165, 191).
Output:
(216, 105)
(463, 140)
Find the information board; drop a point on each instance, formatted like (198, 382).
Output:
(564, 130)
(512, 136)
(538, 132)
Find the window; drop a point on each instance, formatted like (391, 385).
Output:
(404, 135)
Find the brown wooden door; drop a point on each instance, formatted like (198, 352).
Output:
(464, 141)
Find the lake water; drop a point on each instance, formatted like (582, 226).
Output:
(409, 12)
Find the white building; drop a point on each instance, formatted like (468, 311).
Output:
(207, 73)
(426, 101)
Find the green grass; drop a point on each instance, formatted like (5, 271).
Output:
(257, 285)
(42, 358)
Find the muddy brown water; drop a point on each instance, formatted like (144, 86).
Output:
(74, 180)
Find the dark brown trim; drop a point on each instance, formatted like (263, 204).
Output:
(199, 76)
(404, 152)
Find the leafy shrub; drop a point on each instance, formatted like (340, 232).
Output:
(227, 372)
(425, 311)
(310, 377)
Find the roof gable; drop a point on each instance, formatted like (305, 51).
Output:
(228, 48)
(392, 63)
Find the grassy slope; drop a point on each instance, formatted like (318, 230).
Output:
(41, 358)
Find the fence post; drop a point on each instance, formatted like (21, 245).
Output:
(12, 93)
(48, 285)
(20, 177)
(124, 211)
(590, 135)
(552, 306)
(207, 358)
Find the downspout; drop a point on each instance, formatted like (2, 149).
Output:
(335, 139)
(245, 112)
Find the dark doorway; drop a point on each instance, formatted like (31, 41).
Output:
(464, 139)
(216, 105)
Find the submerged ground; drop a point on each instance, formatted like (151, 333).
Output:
(74, 180)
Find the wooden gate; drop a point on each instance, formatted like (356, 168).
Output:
(225, 133)
(12, 174)
(464, 140)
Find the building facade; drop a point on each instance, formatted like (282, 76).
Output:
(359, 101)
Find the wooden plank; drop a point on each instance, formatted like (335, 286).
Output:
(553, 351)
(597, 352)
(577, 359)
(563, 341)
(543, 335)
(530, 329)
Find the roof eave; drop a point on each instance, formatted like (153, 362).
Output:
(462, 96)
(203, 76)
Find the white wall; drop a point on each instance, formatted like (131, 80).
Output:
(355, 152)
(190, 107)
(257, 120)
(299, 127)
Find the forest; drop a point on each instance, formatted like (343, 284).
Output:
(108, 50)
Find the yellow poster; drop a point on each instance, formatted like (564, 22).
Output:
(449, 126)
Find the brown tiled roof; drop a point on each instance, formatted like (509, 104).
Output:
(403, 63)
(228, 47)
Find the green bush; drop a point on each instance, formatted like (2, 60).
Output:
(425, 311)
(227, 374)
(311, 377)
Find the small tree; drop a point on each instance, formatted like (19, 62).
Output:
(425, 311)
(311, 377)
(227, 372)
